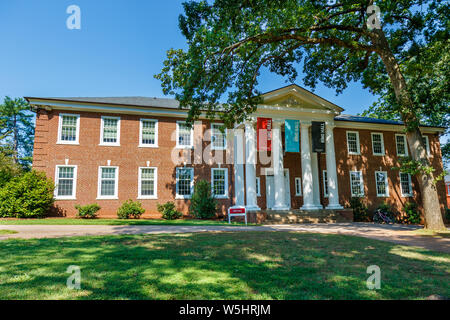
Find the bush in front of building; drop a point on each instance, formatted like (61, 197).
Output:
(203, 204)
(29, 195)
(360, 211)
(412, 215)
(130, 209)
(168, 211)
(387, 210)
(88, 211)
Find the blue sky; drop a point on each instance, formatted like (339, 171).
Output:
(120, 46)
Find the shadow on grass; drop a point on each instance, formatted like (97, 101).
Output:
(250, 265)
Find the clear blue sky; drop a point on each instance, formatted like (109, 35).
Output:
(120, 46)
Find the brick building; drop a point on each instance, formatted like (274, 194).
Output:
(108, 150)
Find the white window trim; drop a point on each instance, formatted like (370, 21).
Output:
(178, 146)
(258, 185)
(406, 145)
(427, 145)
(295, 186)
(357, 143)
(155, 183)
(361, 181)
(225, 196)
(77, 140)
(383, 152)
(325, 195)
(379, 195)
(99, 184)
(72, 197)
(406, 195)
(224, 136)
(112, 144)
(147, 145)
(179, 196)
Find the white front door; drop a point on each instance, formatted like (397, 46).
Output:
(270, 190)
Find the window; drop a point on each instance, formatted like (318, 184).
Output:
(218, 138)
(353, 142)
(69, 128)
(108, 182)
(405, 184)
(381, 183)
(325, 183)
(185, 135)
(298, 186)
(219, 182)
(65, 182)
(185, 183)
(148, 135)
(147, 183)
(110, 131)
(426, 142)
(402, 146)
(377, 144)
(356, 184)
(258, 186)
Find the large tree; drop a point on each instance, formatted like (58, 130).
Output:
(17, 129)
(336, 42)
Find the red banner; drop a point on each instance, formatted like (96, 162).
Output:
(264, 133)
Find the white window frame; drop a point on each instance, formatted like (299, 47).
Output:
(178, 146)
(116, 184)
(112, 144)
(325, 182)
(386, 182)
(77, 132)
(361, 182)
(357, 143)
(406, 195)
(224, 135)
(74, 188)
(180, 196)
(148, 145)
(427, 144)
(406, 145)
(155, 184)
(383, 151)
(225, 196)
(258, 186)
(297, 180)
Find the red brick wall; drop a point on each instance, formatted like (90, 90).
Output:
(88, 156)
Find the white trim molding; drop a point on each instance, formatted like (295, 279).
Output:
(112, 144)
(155, 183)
(405, 143)
(74, 179)
(181, 146)
(222, 134)
(77, 130)
(411, 192)
(141, 127)
(116, 184)
(361, 184)
(383, 150)
(223, 196)
(358, 146)
(386, 184)
(181, 196)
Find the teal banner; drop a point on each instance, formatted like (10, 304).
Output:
(292, 135)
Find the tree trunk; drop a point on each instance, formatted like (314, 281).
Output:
(428, 191)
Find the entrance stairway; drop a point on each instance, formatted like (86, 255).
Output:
(306, 216)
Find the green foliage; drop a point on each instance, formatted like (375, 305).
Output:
(169, 211)
(88, 211)
(129, 209)
(387, 210)
(360, 212)
(447, 214)
(17, 129)
(27, 196)
(203, 204)
(412, 215)
(8, 169)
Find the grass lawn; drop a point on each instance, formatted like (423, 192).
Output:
(7, 232)
(72, 221)
(231, 265)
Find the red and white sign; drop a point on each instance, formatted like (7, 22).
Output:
(264, 133)
(237, 212)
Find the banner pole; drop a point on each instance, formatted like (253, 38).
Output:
(320, 178)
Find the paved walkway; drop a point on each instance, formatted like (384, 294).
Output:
(397, 234)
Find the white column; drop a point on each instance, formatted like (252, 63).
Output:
(333, 192)
(315, 179)
(278, 167)
(239, 186)
(250, 166)
(307, 183)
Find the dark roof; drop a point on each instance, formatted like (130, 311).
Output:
(347, 117)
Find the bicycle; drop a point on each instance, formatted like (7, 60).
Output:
(381, 217)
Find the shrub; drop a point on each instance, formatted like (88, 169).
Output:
(203, 204)
(27, 196)
(387, 210)
(88, 211)
(129, 209)
(8, 169)
(412, 215)
(360, 213)
(168, 211)
(447, 214)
